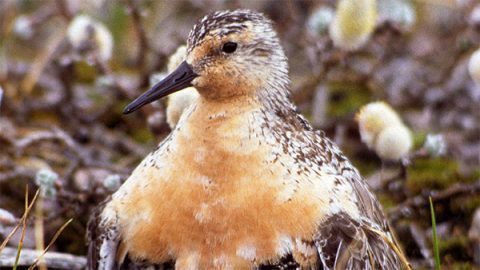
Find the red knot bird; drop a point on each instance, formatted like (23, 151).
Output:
(243, 181)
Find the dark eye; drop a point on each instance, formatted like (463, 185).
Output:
(229, 47)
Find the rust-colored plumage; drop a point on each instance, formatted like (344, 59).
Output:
(243, 181)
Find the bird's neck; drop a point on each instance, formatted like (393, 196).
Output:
(238, 121)
(220, 130)
(209, 114)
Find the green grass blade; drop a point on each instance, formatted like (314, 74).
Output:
(436, 252)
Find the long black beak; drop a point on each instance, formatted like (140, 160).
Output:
(179, 79)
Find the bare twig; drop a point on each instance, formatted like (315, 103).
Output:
(421, 240)
(407, 207)
(104, 69)
(54, 260)
(64, 9)
(140, 31)
(81, 156)
(42, 60)
(55, 134)
(17, 173)
(7, 218)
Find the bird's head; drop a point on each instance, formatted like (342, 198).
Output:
(229, 54)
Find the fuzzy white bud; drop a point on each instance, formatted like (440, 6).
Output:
(104, 81)
(178, 102)
(474, 67)
(474, 231)
(393, 143)
(156, 78)
(373, 118)
(45, 179)
(87, 34)
(353, 23)
(22, 27)
(320, 20)
(7, 217)
(177, 58)
(475, 15)
(112, 182)
(1, 96)
(435, 145)
(398, 11)
(382, 130)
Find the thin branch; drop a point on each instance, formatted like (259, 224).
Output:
(17, 172)
(64, 9)
(407, 207)
(54, 260)
(143, 45)
(41, 61)
(55, 134)
(140, 31)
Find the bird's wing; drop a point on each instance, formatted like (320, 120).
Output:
(105, 250)
(344, 243)
(347, 243)
(103, 240)
(285, 263)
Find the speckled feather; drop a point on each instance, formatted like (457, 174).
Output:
(244, 181)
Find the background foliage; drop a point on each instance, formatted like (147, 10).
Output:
(61, 111)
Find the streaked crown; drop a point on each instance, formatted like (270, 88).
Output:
(256, 61)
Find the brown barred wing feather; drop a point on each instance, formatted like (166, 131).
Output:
(344, 243)
(103, 240)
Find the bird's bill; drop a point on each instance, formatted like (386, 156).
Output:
(179, 79)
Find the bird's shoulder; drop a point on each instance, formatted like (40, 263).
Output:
(105, 248)
(346, 243)
(103, 238)
(318, 158)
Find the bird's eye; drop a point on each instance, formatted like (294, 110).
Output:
(229, 47)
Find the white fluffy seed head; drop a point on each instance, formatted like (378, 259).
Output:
(398, 11)
(474, 67)
(7, 218)
(45, 179)
(353, 23)
(393, 143)
(1, 96)
(112, 182)
(177, 58)
(475, 16)
(474, 231)
(435, 145)
(382, 130)
(22, 27)
(373, 118)
(86, 34)
(320, 19)
(178, 102)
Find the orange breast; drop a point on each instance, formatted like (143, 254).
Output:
(214, 202)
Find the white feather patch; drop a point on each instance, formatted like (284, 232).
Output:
(284, 245)
(248, 252)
